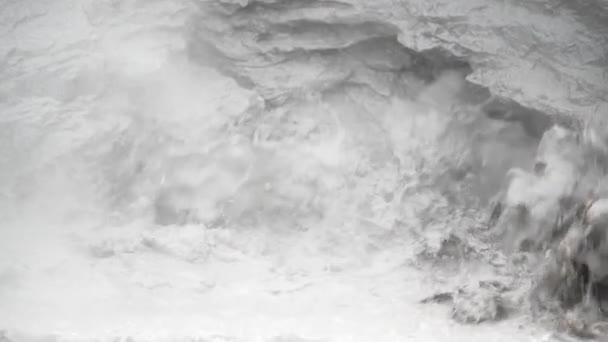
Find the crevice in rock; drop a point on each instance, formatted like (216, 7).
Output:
(534, 122)
(281, 6)
(278, 6)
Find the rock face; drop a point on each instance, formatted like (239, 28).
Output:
(563, 29)
(561, 48)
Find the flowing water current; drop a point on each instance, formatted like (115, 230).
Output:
(288, 171)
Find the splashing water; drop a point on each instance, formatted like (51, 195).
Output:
(175, 170)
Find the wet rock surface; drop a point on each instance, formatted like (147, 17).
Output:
(550, 42)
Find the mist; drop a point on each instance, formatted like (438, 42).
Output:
(296, 171)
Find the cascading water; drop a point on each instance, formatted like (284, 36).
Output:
(281, 170)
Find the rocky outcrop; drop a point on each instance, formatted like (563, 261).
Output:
(559, 48)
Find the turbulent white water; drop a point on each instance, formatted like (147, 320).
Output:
(257, 171)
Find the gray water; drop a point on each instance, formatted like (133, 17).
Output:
(282, 170)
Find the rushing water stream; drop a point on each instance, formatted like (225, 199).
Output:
(288, 170)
